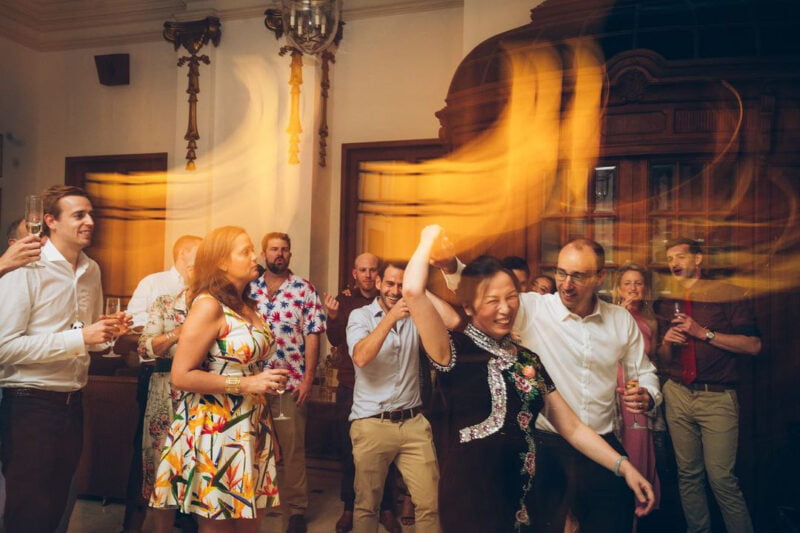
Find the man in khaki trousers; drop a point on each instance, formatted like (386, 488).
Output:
(387, 425)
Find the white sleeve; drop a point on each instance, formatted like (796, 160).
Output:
(18, 347)
(137, 305)
(452, 280)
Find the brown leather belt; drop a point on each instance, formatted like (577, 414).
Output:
(64, 398)
(398, 415)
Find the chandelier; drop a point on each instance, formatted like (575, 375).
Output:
(312, 27)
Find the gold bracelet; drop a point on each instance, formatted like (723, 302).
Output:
(233, 385)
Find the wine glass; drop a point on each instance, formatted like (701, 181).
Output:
(34, 218)
(632, 382)
(278, 364)
(113, 306)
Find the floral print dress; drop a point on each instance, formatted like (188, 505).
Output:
(484, 408)
(218, 460)
(165, 314)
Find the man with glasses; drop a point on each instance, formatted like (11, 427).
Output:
(581, 341)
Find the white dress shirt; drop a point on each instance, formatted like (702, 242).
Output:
(581, 354)
(151, 287)
(40, 305)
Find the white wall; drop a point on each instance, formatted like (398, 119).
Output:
(391, 75)
(485, 18)
(20, 89)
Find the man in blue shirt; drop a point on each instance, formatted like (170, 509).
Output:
(387, 425)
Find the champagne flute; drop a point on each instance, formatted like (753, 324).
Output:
(632, 382)
(113, 306)
(677, 307)
(278, 364)
(34, 218)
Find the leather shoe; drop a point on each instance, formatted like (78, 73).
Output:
(345, 522)
(297, 524)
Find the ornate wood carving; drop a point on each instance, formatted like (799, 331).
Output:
(632, 86)
(695, 120)
(327, 57)
(193, 35)
(638, 123)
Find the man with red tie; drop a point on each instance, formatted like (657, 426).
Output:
(712, 323)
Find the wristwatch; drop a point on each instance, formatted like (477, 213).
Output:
(710, 335)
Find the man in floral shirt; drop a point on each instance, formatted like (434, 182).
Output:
(292, 308)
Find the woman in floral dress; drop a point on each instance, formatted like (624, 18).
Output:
(488, 400)
(159, 341)
(218, 460)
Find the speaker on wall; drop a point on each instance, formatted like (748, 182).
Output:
(113, 69)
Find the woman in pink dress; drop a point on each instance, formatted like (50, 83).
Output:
(632, 291)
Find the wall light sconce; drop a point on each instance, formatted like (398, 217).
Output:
(311, 27)
(193, 35)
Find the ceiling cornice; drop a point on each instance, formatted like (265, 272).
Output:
(50, 25)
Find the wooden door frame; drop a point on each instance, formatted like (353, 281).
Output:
(353, 154)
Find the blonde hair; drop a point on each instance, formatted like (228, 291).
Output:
(647, 298)
(209, 278)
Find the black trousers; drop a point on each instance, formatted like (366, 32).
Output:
(568, 481)
(135, 504)
(42, 439)
(344, 403)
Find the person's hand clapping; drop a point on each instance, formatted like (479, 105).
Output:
(331, 305)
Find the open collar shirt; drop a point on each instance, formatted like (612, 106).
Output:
(293, 312)
(582, 354)
(168, 282)
(391, 380)
(40, 344)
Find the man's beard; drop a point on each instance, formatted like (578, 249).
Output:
(275, 269)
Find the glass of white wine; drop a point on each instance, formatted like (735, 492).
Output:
(281, 363)
(113, 306)
(34, 218)
(632, 382)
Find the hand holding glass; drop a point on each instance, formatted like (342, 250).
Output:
(34, 218)
(677, 307)
(631, 385)
(113, 307)
(281, 364)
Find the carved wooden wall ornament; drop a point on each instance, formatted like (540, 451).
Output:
(193, 35)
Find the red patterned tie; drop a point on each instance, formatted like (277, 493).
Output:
(688, 356)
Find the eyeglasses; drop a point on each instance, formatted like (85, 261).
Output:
(578, 278)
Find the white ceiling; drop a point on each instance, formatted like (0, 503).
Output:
(65, 24)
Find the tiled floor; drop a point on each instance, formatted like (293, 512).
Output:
(90, 516)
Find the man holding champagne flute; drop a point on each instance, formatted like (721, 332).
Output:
(51, 318)
(711, 324)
